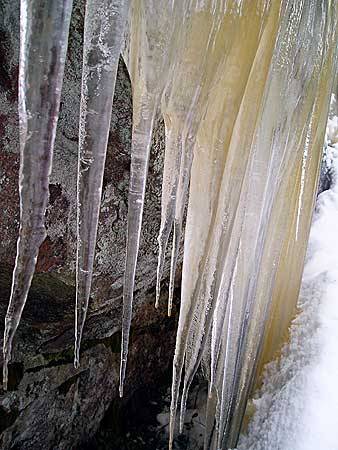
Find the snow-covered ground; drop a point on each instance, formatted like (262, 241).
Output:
(297, 408)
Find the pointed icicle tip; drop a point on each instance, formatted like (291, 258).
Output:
(5, 376)
(158, 292)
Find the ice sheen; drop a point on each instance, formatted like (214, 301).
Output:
(44, 30)
(297, 405)
(103, 36)
(243, 87)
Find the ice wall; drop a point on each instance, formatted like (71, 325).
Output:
(253, 180)
(297, 405)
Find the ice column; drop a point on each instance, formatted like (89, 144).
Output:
(252, 184)
(103, 35)
(44, 29)
(148, 58)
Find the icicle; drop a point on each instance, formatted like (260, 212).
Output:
(103, 35)
(44, 35)
(172, 164)
(179, 111)
(151, 27)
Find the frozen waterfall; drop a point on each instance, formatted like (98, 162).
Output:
(297, 405)
(243, 87)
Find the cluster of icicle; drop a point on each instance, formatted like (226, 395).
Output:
(243, 88)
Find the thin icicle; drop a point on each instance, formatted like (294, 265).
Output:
(44, 30)
(151, 27)
(103, 35)
(174, 258)
(172, 163)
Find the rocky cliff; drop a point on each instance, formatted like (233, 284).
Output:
(50, 404)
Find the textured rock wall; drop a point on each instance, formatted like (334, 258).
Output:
(49, 403)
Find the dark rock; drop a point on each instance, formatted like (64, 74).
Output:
(50, 404)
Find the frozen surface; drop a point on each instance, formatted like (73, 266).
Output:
(243, 87)
(103, 36)
(43, 45)
(297, 406)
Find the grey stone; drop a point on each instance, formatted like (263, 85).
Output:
(50, 404)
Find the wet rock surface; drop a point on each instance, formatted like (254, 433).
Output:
(50, 404)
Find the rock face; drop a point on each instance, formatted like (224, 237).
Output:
(50, 404)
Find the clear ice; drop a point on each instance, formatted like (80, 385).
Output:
(43, 44)
(148, 60)
(103, 37)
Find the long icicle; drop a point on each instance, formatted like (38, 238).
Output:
(213, 159)
(103, 35)
(190, 106)
(184, 107)
(44, 28)
(151, 27)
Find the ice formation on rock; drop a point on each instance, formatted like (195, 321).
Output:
(103, 36)
(253, 180)
(297, 406)
(151, 27)
(243, 87)
(43, 43)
